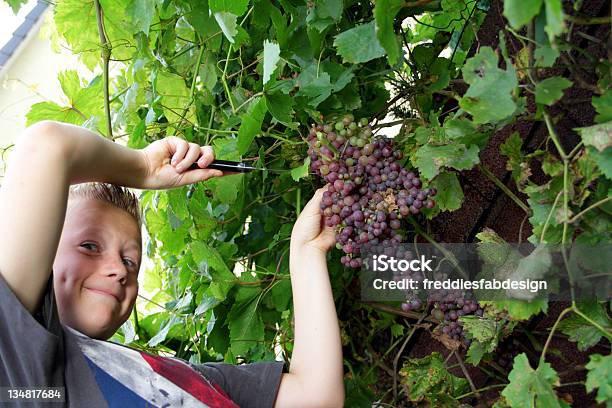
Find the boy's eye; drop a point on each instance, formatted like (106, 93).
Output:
(89, 244)
(129, 262)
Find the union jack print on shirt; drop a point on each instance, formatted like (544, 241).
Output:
(132, 378)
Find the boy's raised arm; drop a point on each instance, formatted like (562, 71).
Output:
(315, 377)
(48, 157)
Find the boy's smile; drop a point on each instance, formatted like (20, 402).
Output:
(96, 267)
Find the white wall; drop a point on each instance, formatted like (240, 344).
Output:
(31, 77)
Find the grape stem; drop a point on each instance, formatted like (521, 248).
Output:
(504, 188)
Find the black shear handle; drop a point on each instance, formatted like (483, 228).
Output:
(226, 165)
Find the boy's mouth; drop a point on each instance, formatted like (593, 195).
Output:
(103, 293)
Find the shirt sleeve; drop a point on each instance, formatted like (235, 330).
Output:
(248, 385)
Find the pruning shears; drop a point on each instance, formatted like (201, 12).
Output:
(230, 167)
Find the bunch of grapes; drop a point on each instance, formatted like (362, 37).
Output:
(370, 193)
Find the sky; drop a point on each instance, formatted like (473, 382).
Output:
(9, 22)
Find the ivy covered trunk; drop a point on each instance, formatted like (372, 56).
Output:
(502, 108)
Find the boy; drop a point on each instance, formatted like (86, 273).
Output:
(68, 281)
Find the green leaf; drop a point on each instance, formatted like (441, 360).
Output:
(301, 171)
(246, 326)
(314, 84)
(604, 161)
(489, 86)
(359, 44)
(603, 106)
(324, 13)
(600, 377)
(141, 12)
(270, 59)
(384, 14)
(174, 96)
(202, 254)
(545, 56)
(583, 332)
(450, 195)
(516, 160)
(427, 379)
(237, 7)
(520, 12)
(534, 266)
(551, 89)
(227, 23)
(84, 104)
(430, 159)
(598, 136)
(280, 106)
(16, 4)
(251, 124)
(485, 333)
(529, 387)
(554, 19)
(464, 131)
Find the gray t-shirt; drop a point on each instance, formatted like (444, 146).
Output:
(38, 351)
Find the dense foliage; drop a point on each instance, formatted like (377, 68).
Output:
(253, 77)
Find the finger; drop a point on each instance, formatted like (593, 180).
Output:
(190, 157)
(207, 157)
(181, 148)
(195, 176)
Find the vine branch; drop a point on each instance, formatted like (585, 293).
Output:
(106, 54)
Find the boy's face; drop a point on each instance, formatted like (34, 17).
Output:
(96, 267)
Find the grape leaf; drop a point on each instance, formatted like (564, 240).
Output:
(600, 377)
(545, 56)
(464, 131)
(603, 106)
(83, 102)
(16, 4)
(604, 161)
(384, 14)
(551, 89)
(202, 253)
(485, 335)
(359, 44)
(237, 7)
(430, 159)
(227, 23)
(251, 124)
(427, 379)
(324, 13)
(174, 96)
(301, 171)
(450, 195)
(280, 106)
(534, 266)
(529, 387)
(599, 136)
(246, 326)
(581, 331)
(516, 160)
(555, 24)
(520, 12)
(314, 84)
(141, 13)
(489, 86)
(270, 59)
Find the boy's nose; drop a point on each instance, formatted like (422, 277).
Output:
(117, 270)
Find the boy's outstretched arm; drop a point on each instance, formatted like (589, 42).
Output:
(315, 377)
(48, 157)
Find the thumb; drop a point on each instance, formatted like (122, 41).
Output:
(313, 207)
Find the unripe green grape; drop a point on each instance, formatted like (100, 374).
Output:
(339, 126)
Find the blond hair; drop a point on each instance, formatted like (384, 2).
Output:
(117, 196)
